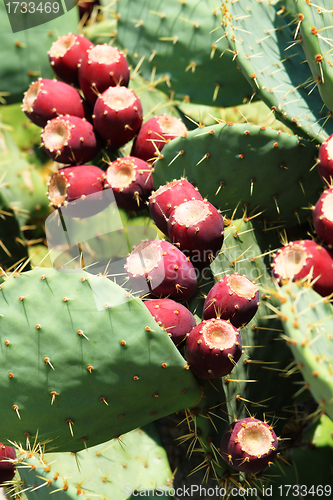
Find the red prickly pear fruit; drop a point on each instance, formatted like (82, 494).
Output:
(158, 267)
(46, 99)
(325, 160)
(117, 116)
(65, 55)
(197, 228)
(102, 67)
(7, 468)
(79, 189)
(131, 181)
(173, 317)
(154, 134)
(163, 201)
(70, 140)
(213, 348)
(303, 259)
(233, 297)
(322, 217)
(249, 445)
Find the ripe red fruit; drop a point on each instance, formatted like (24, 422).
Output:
(102, 67)
(131, 181)
(154, 134)
(46, 99)
(117, 116)
(304, 259)
(322, 217)
(70, 140)
(173, 317)
(213, 348)
(7, 468)
(197, 228)
(233, 297)
(158, 267)
(65, 55)
(79, 189)
(249, 445)
(325, 160)
(166, 198)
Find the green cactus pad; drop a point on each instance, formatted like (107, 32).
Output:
(136, 462)
(262, 169)
(316, 32)
(88, 355)
(182, 45)
(13, 247)
(23, 189)
(25, 133)
(241, 253)
(23, 56)
(307, 321)
(261, 37)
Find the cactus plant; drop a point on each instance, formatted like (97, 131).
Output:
(266, 44)
(307, 325)
(109, 465)
(264, 181)
(257, 154)
(187, 49)
(93, 403)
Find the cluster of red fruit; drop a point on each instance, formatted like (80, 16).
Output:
(309, 259)
(214, 346)
(91, 108)
(196, 230)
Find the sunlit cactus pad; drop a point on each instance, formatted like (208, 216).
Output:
(263, 38)
(181, 45)
(307, 320)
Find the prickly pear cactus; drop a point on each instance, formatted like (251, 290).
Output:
(115, 469)
(308, 332)
(83, 363)
(23, 188)
(22, 197)
(265, 43)
(89, 355)
(189, 57)
(252, 156)
(315, 33)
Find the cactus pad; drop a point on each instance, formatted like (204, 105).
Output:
(268, 164)
(316, 33)
(307, 320)
(262, 38)
(88, 355)
(181, 45)
(136, 462)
